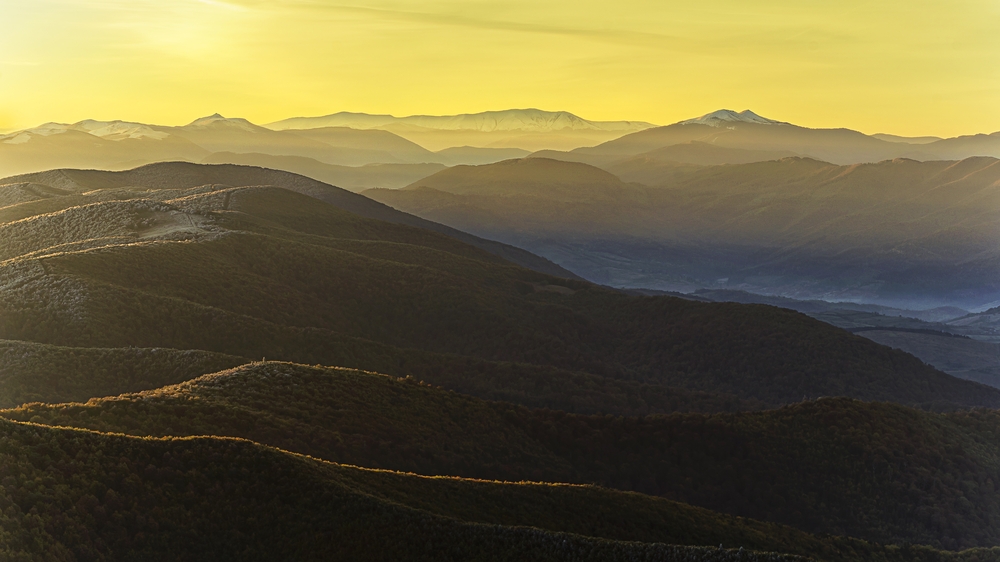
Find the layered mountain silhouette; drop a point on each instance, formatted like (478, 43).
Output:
(180, 304)
(119, 145)
(749, 131)
(523, 120)
(352, 178)
(900, 232)
(530, 129)
(953, 340)
(512, 335)
(636, 151)
(144, 256)
(182, 175)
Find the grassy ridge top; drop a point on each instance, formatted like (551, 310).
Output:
(251, 272)
(889, 473)
(183, 175)
(76, 495)
(32, 372)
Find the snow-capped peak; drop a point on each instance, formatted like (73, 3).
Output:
(119, 130)
(723, 117)
(108, 130)
(217, 120)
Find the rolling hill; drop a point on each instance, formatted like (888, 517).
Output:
(961, 357)
(898, 233)
(965, 349)
(887, 471)
(297, 272)
(124, 282)
(76, 495)
(267, 272)
(179, 175)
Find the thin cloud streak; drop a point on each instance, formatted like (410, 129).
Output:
(697, 43)
(633, 38)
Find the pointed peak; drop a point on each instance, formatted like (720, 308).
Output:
(207, 120)
(723, 117)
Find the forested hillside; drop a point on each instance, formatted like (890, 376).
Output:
(887, 472)
(266, 272)
(75, 495)
(122, 293)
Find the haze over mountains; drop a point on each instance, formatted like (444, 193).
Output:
(901, 233)
(103, 225)
(681, 217)
(747, 130)
(530, 129)
(353, 141)
(740, 170)
(146, 301)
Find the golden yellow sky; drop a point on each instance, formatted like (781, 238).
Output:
(909, 67)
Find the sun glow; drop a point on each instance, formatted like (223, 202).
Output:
(900, 67)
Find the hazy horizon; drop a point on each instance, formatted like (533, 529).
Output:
(894, 68)
(186, 121)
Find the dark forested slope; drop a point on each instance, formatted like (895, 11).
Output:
(71, 495)
(265, 272)
(263, 260)
(838, 466)
(75, 495)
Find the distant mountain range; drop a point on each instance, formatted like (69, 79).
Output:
(526, 129)
(637, 151)
(748, 131)
(899, 233)
(659, 177)
(521, 120)
(120, 145)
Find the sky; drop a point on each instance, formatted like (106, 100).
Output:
(914, 67)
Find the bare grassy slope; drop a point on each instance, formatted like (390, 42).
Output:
(178, 175)
(267, 272)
